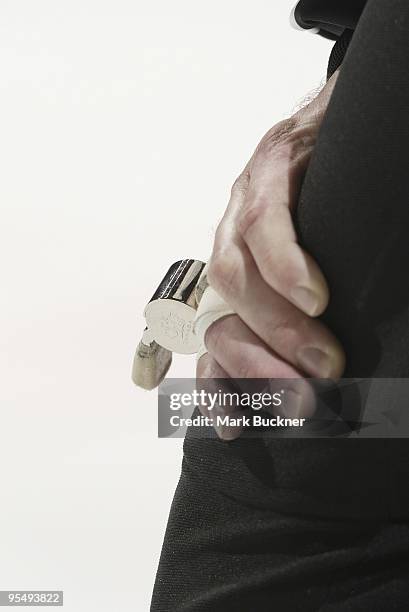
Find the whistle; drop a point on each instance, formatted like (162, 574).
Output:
(169, 317)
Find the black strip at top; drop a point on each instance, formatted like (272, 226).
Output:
(331, 17)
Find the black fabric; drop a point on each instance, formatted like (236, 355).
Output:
(338, 52)
(231, 553)
(334, 19)
(331, 17)
(263, 525)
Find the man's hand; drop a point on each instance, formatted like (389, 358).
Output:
(260, 270)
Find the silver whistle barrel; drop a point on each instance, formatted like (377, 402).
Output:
(171, 311)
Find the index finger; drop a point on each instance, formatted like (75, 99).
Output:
(265, 222)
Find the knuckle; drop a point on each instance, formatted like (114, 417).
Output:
(240, 185)
(207, 368)
(247, 219)
(245, 369)
(217, 333)
(282, 333)
(223, 272)
(251, 213)
(287, 153)
(214, 338)
(288, 149)
(276, 135)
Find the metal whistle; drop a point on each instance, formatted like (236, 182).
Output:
(169, 316)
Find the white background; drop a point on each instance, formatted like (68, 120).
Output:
(122, 126)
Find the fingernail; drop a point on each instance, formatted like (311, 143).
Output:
(228, 433)
(305, 299)
(292, 405)
(316, 362)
